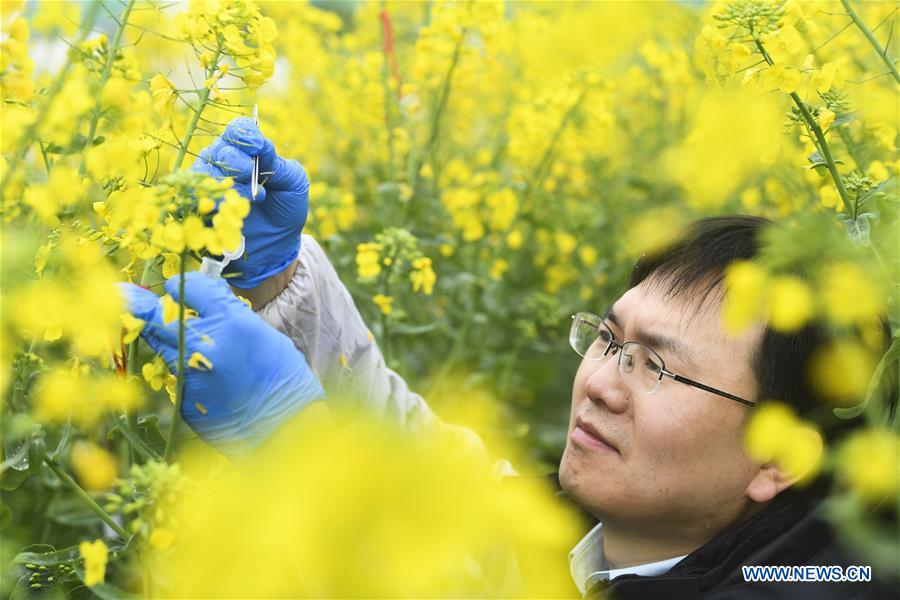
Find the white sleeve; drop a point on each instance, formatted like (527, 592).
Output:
(317, 312)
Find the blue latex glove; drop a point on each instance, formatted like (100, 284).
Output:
(258, 380)
(277, 215)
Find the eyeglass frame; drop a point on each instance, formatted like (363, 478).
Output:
(662, 372)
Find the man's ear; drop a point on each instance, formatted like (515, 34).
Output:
(768, 482)
(791, 463)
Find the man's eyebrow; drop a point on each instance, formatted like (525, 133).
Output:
(610, 314)
(665, 344)
(655, 341)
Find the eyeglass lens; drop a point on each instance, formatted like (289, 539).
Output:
(638, 365)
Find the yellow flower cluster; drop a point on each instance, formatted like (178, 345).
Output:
(367, 260)
(95, 555)
(846, 296)
(236, 28)
(776, 434)
(64, 189)
(384, 303)
(94, 467)
(65, 394)
(164, 96)
(16, 66)
(422, 276)
(869, 462)
(51, 308)
(441, 484)
(192, 234)
(471, 211)
(133, 214)
(489, 134)
(331, 210)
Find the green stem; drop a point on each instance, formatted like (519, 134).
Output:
(83, 495)
(179, 385)
(104, 77)
(137, 444)
(195, 119)
(441, 105)
(882, 53)
(388, 102)
(826, 154)
(540, 172)
(820, 139)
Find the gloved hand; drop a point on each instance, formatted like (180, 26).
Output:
(277, 214)
(258, 379)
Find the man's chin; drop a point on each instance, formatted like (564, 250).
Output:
(568, 473)
(575, 480)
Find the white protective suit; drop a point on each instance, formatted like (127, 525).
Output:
(317, 312)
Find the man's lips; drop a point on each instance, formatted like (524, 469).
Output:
(585, 434)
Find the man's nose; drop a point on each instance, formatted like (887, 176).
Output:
(605, 385)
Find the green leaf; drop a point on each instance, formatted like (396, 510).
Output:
(5, 515)
(407, 329)
(843, 118)
(106, 591)
(63, 443)
(148, 429)
(859, 229)
(46, 555)
(77, 145)
(24, 591)
(16, 453)
(13, 478)
(816, 161)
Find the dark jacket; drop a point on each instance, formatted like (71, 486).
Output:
(790, 531)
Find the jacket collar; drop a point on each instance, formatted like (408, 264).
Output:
(788, 531)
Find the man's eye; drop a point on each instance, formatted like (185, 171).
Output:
(604, 335)
(653, 366)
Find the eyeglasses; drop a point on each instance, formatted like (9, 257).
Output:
(641, 367)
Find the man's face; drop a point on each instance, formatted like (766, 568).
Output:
(673, 457)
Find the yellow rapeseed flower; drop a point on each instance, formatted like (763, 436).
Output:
(514, 239)
(790, 303)
(367, 261)
(499, 267)
(825, 118)
(171, 264)
(384, 303)
(745, 286)
(198, 361)
(161, 538)
(155, 373)
(842, 370)
(849, 295)
(587, 254)
(422, 276)
(94, 467)
(133, 327)
(868, 463)
(163, 95)
(95, 555)
(775, 434)
(169, 309)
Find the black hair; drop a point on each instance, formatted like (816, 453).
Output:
(694, 265)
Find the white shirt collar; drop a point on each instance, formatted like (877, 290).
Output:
(588, 565)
